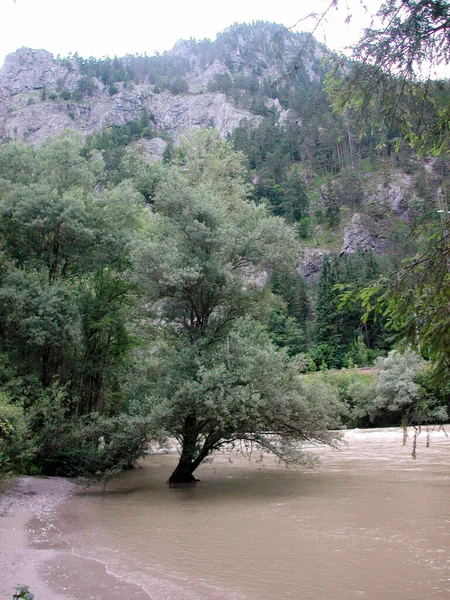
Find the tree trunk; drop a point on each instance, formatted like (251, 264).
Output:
(190, 458)
(45, 365)
(183, 473)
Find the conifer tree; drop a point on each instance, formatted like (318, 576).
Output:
(328, 317)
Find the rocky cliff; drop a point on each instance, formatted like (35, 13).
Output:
(33, 108)
(182, 89)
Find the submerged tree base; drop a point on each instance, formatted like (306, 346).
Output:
(182, 477)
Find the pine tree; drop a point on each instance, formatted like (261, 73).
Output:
(332, 206)
(328, 317)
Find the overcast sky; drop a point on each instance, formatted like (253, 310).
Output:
(112, 27)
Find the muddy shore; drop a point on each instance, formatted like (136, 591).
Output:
(33, 553)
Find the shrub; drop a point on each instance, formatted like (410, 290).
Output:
(22, 592)
(324, 356)
(13, 436)
(402, 393)
(90, 446)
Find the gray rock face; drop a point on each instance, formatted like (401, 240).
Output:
(182, 112)
(199, 81)
(362, 233)
(152, 149)
(29, 77)
(394, 195)
(28, 70)
(311, 263)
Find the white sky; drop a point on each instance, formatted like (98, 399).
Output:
(117, 27)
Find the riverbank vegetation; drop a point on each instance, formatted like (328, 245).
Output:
(144, 301)
(127, 319)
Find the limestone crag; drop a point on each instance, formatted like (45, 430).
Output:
(29, 70)
(363, 234)
(28, 112)
(311, 263)
(394, 194)
(153, 150)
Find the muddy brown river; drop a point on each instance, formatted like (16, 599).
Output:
(368, 523)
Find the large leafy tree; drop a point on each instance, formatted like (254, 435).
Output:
(65, 253)
(214, 375)
(66, 306)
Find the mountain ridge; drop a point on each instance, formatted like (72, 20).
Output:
(40, 95)
(259, 85)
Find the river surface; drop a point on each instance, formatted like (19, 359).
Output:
(369, 523)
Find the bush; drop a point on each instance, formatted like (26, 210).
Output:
(90, 446)
(49, 440)
(13, 436)
(324, 356)
(22, 592)
(346, 384)
(358, 354)
(402, 393)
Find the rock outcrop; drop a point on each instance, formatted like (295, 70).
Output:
(393, 195)
(32, 107)
(311, 263)
(187, 87)
(363, 234)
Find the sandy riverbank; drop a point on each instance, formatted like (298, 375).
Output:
(33, 553)
(26, 499)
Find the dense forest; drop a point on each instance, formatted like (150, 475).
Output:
(144, 301)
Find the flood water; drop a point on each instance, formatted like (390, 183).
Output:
(369, 522)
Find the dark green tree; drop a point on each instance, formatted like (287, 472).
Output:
(332, 206)
(328, 316)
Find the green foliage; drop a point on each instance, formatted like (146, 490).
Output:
(343, 336)
(398, 395)
(289, 319)
(86, 87)
(13, 436)
(211, 162)
(332, 207)
(350, 188)
(113, 140)
(239, 388)
(388, 89)
(414, 300)
(65, 297)
(22, 592)
(286, 332)
(327, 316)
(358, 353)
(90, 446)
(214, 375)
